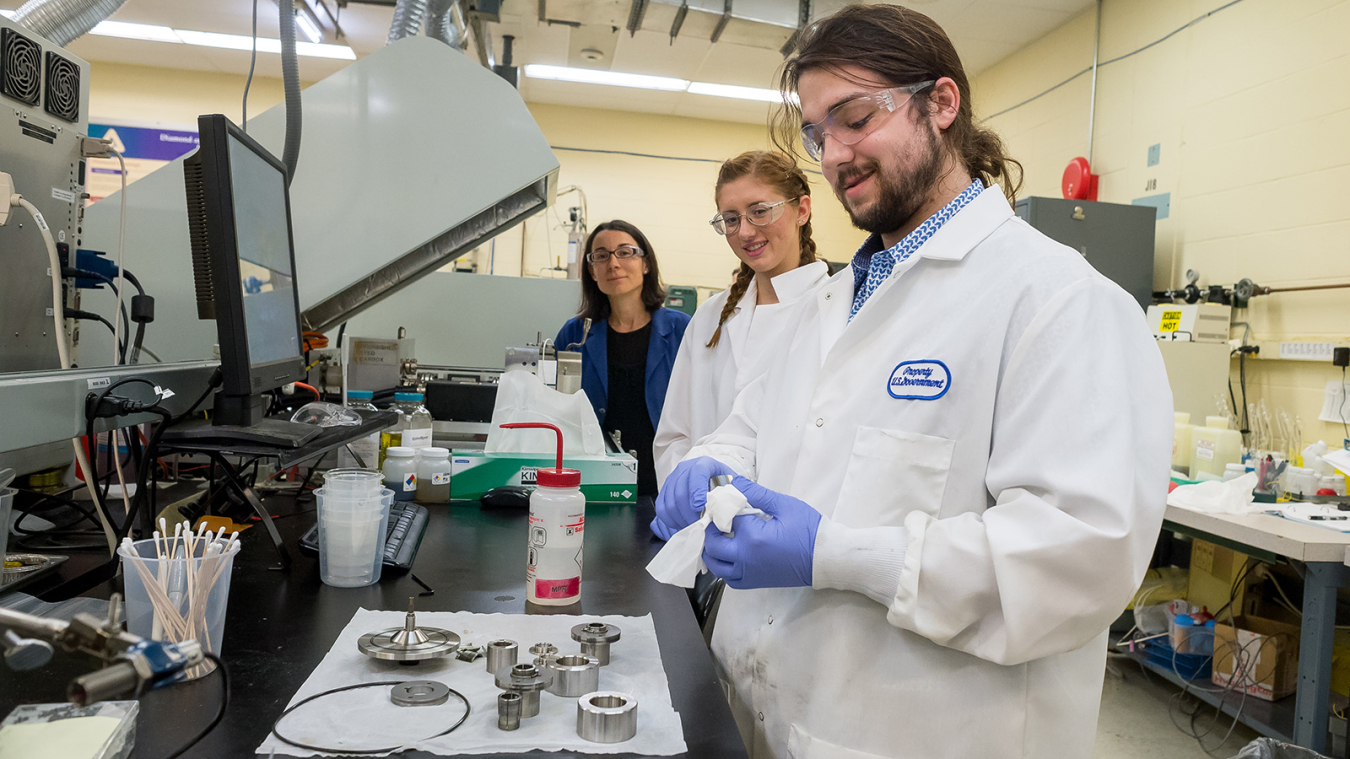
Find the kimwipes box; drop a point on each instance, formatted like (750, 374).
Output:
(1263, 652)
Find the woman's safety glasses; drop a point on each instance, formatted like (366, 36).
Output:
(851, 121)
(623, 252)
(759, 214)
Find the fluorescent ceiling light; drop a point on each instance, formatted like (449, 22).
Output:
(732, 91)
(307, 27)
(156, 33)
(593, 76)
(641, 81)
(135, 31)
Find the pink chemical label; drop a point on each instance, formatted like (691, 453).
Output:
(557, 588)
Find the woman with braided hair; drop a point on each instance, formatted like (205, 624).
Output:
(764, 212)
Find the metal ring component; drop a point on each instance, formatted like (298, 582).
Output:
(544, 653)
(719, 481)
(607, 717)
(501, 654)
(528, 681)
(595, 639)
(508, 710)
(420, 693)
(574, 676)
(408, 643)
(344, 750)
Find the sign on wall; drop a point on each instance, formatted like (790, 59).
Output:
(143, 148)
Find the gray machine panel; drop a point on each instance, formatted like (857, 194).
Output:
(1116, 239)
(42, 153)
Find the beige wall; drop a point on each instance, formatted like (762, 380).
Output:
(1251, 107)
(669, 200)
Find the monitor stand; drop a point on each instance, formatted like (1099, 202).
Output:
(236, 419)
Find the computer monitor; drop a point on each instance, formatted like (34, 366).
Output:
(244, 267)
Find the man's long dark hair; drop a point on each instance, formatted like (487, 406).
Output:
(595, 304)
(901, 46)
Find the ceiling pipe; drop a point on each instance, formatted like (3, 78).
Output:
(64, 21)
(408, 15)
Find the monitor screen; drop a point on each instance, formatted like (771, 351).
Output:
(263, 242)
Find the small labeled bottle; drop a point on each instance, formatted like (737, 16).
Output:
(400, 472)
(393, 434)
(417, 425)
(368, 447)
(557, 529)
(433, 475)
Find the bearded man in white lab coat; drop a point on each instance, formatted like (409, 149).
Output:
(962, 444)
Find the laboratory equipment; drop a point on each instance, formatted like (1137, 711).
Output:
(508, 710)
(1116, 239)
(106, 730)
(527, 680)
(1181, 442)
(595, 639)
(402, 535)
(400, 472)
(1214, 447)
(366, 448)
(543, 654)
(244, 271)
(574, 676)
(501, 655)
(6, 503)
(134, 663)
(607, 717)
(177, 588)
(1191, 323)
(409, 643)
(352, 528)
(276, 726)
(556, 535)
(433, 475)
(419, 693)
(415, 424)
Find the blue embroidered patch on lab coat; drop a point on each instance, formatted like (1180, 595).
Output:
(925, 380)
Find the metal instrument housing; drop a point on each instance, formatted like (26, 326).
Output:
(607, 717)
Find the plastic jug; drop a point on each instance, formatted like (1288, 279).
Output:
(1181, 442)
(1214, 447)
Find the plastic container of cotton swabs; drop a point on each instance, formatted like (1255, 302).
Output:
(178, 586)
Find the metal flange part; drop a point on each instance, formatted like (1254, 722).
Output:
(607, 717)
(419, 693)
(544, 653)
(409, 643)
(528, 681)
(574, 676)
(595, 639)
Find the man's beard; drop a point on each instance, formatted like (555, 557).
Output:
(899, 195)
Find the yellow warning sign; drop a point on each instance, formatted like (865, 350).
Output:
(1171, 320)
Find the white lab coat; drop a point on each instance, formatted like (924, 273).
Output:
(705, 381)
(988, 536)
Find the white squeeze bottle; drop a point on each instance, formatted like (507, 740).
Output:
(557, 524)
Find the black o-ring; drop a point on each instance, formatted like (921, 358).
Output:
(306, 700)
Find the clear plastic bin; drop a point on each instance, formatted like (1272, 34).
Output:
(176, 592)
(351, 538)
(1189, 638)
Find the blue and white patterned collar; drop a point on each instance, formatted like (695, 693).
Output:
(866, 277)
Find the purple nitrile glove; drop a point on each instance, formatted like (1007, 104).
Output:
(773, 553)
(680, 502)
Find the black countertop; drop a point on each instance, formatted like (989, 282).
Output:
(280, 624)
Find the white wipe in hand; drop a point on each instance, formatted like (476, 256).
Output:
(681, 560)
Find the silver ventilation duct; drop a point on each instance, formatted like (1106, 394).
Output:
(64, 21)
(408, 15)
(441, 24)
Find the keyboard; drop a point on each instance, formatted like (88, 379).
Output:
(403, 536)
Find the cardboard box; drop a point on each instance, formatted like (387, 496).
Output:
(1263, 651)
(608, 478)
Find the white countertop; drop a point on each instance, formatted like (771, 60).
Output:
(1278, 535)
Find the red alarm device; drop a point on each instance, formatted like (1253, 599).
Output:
(1079, 183)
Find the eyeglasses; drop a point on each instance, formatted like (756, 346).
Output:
(851, 121)
(623, 253)
(759, 214)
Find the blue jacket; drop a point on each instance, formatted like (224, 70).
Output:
(667, 332)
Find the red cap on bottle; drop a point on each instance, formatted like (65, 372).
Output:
(551, 478)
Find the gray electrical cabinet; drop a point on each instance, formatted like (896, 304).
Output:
(1116, 239)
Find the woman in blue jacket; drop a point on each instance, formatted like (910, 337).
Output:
(627, 356)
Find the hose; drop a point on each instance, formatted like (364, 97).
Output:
(290, 75)
(64, 21)
(408, 16)
(440, 25)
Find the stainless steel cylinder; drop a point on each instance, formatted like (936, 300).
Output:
(544, 653)
(528, 681)
(575, 676)
(508, 710)
(501, 655)
(595, 639)
(607, 717)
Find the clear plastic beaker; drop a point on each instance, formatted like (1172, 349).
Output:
(177, 590)
(351, 539)
(343, 482)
